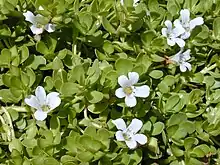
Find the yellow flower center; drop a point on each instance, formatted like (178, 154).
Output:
(45, 108)
(127, 136)
(128, 90)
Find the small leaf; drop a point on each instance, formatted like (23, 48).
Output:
(94, 97)
(123, 66)
(156, 74)
(157, 128)
(69, 89)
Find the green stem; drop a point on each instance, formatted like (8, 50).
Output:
(7, 44)
(206, 69)
(90, 120)
(10, 122)
(86, 114)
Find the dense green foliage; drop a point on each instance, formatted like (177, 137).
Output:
(95, 42)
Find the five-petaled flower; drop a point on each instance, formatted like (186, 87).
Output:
(172, 34)
(186, 23)
(129, 134)
(129, 91)
(42, 102)
(181, 59)
(38, 23)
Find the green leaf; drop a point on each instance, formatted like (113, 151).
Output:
(147, 37)
(5, 30)
(29, 143)
(157, 128)
(98, 108)
(69, 89)
(57, 64)
(176, 119)
(5, 58)
(90, 144)
(176, 150)
(78, 74)
(50, 161)
(42, 48)
(162, 86)
(200, 151)
(123, 66)
(189, 142)
(31, 75)
(107, 25)
(94, 96)
(15, 144)
(136, 156)
(108, 47)
(156, 74)
(38, 60)
(84, 156)
(24, 53)
(172, 102)
(153, 145)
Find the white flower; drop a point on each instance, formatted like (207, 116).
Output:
(38, 26)
(42, 102)
(129, 91)
(186, 23)
(180, 58)
(129, 135)
(172, 34)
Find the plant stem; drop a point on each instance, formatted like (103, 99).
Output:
(10, 122)
(206, 69)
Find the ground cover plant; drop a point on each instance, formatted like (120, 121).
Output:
(109, 82)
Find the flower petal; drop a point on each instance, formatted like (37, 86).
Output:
(185, 16)
(168, 24)
(142, 91)
(36, 30)
(170, 42)
(120, 124)
(53, 100)
(177, 23)
(186, 55)
(164, 32)
(133, 77)
(177, 31)
(176, 58)
(195, 22)
(179, 42)
(50, 27)
(132, 144)
(182, 67)
(120, 93)
(188, 66)
(135, 126)
(140, 138)
(130, 100)
(41, 95)
(122, 2)
(32, 101)
(185, 35)
(40, 115)
(123, 81)
(29, 16)
(119, 136)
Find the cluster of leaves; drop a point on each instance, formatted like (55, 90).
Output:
(95, 42)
